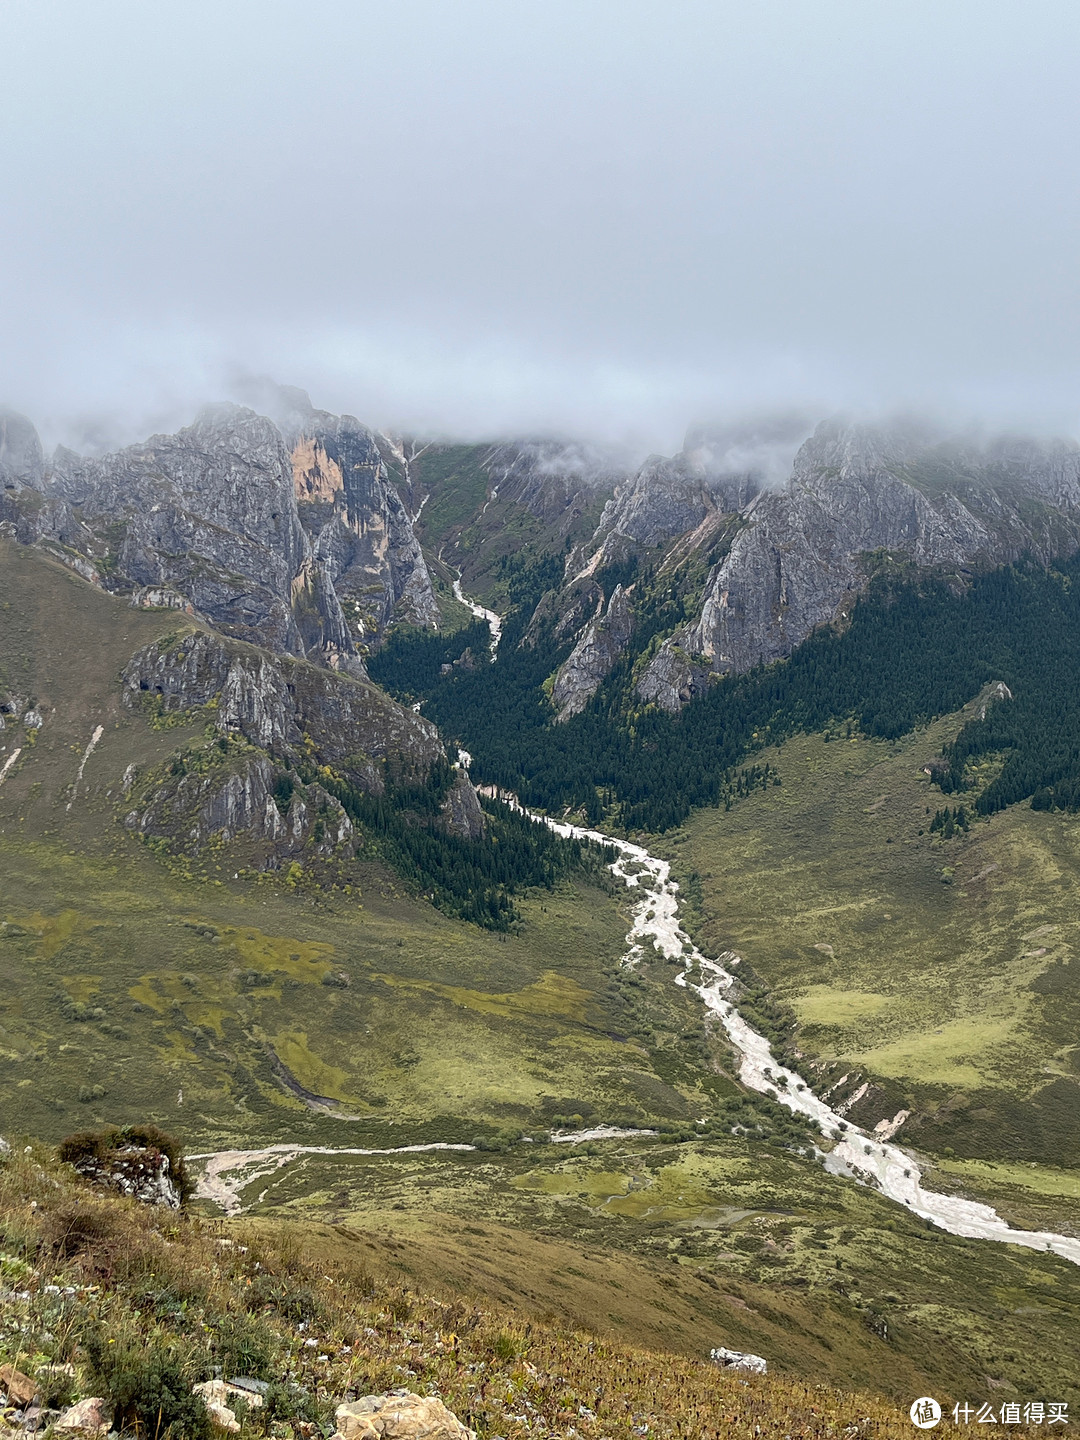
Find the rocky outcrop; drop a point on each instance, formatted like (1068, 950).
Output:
(284, 706)
(282, 722)
(717, 473)
(592, 659)
(462, 812)
(363, 545)
(241, 797)
(802, 550)
(291, 538)
(131, 1162)
(207, 513)
(22, 464)
(399, 1416)
(739, 1360)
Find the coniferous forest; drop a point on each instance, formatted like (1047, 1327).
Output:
(917, 645)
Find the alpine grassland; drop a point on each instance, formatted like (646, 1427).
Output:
(137, 1304)
(940, 967)
(149, 984)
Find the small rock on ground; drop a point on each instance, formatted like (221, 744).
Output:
(399, 1417)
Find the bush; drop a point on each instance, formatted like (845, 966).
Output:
(76, 1229)
(286, 1401)
(294, 1302)
(149, 1388)
(242, 1346)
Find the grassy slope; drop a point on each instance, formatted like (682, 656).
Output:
(695, 1245)
(163, 1288)
(945, 970)
(201, 977)
(460, 523)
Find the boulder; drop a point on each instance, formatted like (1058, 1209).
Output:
(223, 1392)
(739, 1360)
(214, 1394)
(92, 1416)
(401, 1416)
(19, 1388)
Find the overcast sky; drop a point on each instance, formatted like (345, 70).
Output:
(609, 217)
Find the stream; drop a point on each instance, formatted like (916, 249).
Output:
(865, 1158)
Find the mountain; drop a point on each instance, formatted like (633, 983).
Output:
(247, 896)
(290, 538)
(799, 552)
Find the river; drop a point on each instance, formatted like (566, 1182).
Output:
(856, 1155)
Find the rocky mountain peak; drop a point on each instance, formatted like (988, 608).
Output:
(21, 461)
(856, 489)
(282, 531)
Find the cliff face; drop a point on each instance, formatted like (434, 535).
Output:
(278, 719)
(361, 535)
(592, 659)
(22, 464)
(801, 550)
(295, 541)
(717, 473)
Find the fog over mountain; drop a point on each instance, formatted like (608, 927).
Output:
(612, 220)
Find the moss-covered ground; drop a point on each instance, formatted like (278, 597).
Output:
(941, 972)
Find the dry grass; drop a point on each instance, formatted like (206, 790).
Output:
(161, 1287)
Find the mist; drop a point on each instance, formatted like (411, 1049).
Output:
(611, 220)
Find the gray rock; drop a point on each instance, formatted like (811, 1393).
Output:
(592, 659)
(22, 464)
(139, 1171)
(303, 547)
(739, 1360)
(363, 545)
(803, 550)
(293, 712)
(462, 812)
(208, 514)
(718, 472)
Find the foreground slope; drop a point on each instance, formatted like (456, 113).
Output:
(178, 1300)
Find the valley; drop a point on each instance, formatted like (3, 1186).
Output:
(246, 894)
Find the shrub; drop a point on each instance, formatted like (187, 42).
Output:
(294, 1302)
(76, 1229)
(243, 1346)
(286, 1401)
(149, 1388)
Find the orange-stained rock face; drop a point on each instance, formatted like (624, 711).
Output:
(315, 476)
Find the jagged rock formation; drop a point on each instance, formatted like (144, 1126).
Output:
(279, 720)
(717, 473)
(139, 1161)
(801, 551)
(362, 541)
(592, 659)
(462, 814)
(302, 547)
(22, 464)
